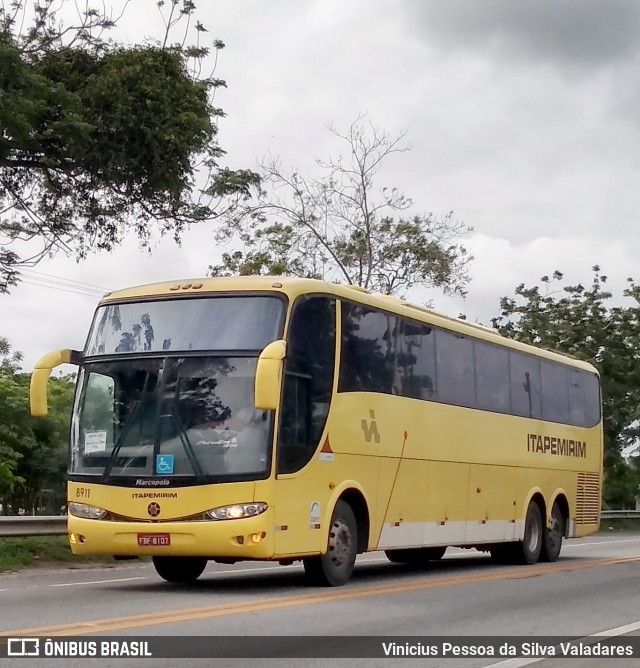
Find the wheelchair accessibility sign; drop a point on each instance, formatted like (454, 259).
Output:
(165, 464)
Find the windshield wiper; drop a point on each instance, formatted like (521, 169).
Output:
(123, 434)
(186, 443)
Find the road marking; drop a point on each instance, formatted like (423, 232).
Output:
(603, 542)
(619, 630)
(236, 571)
(95, 582)
(105, 626)
(585, 640)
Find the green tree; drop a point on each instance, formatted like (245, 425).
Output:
(9, 360)
(338, 226)
(98, 139)
(581, 321)
(33, 451)
(44, 467)
(9, 431)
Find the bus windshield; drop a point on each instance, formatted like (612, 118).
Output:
(204, 323)
(167, 390)
(181, 418)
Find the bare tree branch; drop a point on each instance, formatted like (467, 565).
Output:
(349, 220)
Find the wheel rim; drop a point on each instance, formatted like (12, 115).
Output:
(533, 535)
(340, 544)
(554, 533)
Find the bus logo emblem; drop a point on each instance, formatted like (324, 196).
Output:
(370, 429)
(153, 509)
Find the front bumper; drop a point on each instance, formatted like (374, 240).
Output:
(229, 539)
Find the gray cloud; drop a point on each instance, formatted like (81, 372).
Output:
(567, 33)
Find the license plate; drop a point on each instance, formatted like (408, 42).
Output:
(154, 539)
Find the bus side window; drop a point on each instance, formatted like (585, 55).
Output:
(591, 399)
(555, 392)
(577, 406)
(524, 375)
(415, 360)
(369, 349)
(492, 378)
(308, 381)
(455, 369)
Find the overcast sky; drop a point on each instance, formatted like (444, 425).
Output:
(522, 118)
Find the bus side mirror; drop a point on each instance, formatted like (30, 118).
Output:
(269, 375)
(40, 378)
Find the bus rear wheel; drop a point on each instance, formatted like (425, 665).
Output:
(415, 556)
(179, 569)
(335, 567)
(552, 536)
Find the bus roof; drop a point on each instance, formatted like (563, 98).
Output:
(294, 287)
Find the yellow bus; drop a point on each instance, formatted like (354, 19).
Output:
(269, 418)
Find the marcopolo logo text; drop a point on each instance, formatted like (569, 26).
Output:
(155, 482)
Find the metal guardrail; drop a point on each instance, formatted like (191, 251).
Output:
(620, 514)
(29, 525)
(55, 525)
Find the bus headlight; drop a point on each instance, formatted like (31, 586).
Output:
(86, 511)
(237, 511)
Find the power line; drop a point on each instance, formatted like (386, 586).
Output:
(62, 284)
(68, 288)
(36, 274)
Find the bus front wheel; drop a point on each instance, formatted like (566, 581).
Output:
(335, 567)
(415, 556)
(179, 569)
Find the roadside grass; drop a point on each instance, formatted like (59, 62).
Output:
(623, 524)
(19, 553)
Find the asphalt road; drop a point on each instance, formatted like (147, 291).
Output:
(593, 588)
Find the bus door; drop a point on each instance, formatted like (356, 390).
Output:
(302, 483)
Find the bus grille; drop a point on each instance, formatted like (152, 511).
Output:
(588, 499)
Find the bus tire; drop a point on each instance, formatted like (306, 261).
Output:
(527, 551)
(552, 535)
(335, 567)
(179, 569)
(415, 556)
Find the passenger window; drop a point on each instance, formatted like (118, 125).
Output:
(416, 360)
(591, 399)
(455, 369)
(524, 374)
(369, 347)
(555, 390)
(492, 378)
(577, 406)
